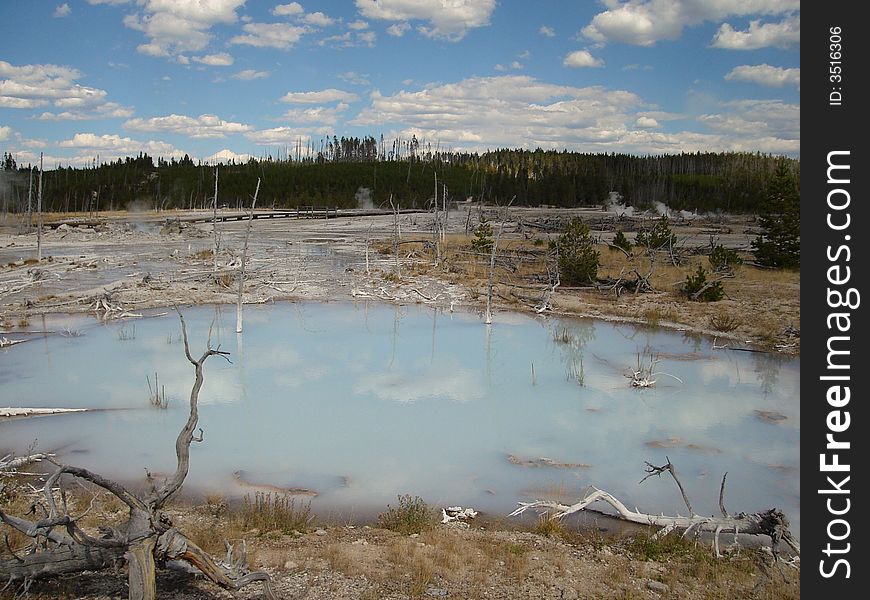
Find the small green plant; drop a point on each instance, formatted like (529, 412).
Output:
(549, 527)
(578, 259)
(723, 260)
(538, 242)
(620, 241)
(274, 512)
(482, 241)
(696, 287)
(647, 546)
(412, 515)
(659, 237)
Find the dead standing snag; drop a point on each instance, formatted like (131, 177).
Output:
(147, 539)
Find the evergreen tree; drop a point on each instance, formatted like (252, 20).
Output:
(779, 245)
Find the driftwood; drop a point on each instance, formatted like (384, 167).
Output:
(147, 539)
(771, 523)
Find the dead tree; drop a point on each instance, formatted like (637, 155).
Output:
(244, 257)
(147, 538)
(214, 232)
(39, 214)
(771, 523)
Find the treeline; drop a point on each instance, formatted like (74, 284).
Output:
(345, 170)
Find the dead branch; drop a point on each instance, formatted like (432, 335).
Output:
(771, 523)
(145, 540)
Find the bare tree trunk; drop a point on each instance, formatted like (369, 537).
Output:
(30, 201)
(214, 220)
(39, 214)
(244, 257)
(397, 234)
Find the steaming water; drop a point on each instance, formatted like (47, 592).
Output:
(363, 402)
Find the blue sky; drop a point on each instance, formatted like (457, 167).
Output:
(234, 78)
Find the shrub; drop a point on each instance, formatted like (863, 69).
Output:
(779, 244)
(724, 323)
(412, 515)
(620, 241)
(268, 512)
(698, 288)
(578, 259)
(482, 241)
(723, 260)
(659, 237)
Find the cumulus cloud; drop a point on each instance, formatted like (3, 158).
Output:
(33, 86)
(5, 132)
(276, 136)
(251, 74)
(783, 34)
(358, 25)
(646, 123)
(108, 110)
(445, 20)
(284, 10)
(270, 35)
(547, 31)
(645, 22)
(319, 97)
(203, 126)
(318, 19)
(62, 10)
(176, 26)
(117, 145)
(221, 59)
(225, 156)
(510, 111)
(765, 75)
(323, 115)
(355, 78)
(398, 29)
(582, 58)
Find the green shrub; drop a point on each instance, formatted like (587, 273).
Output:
(779, 244)
(268, 512)
(620, 241)
(659, 237)
(696, 287)
(482, 241)
(412, 515)
(578, 259)
(723, 260)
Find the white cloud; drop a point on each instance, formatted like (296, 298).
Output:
(5, 132)
(355, 78)
(449, 20)
(283, 10)
(765, 75)
(507, 111)
(398, 29)
(780, 35)
(645, 22)
(358, 25)
(251, 74)
(276, 136)
(62, 10)
(547, 31)
(270, 35)
(646, 123)
(203, 126)
(108, 1)
(117, 145)
(582, 58)
(176, 26)
(320, 97)
(324, 115)
(33, 86)
(225, 156)
(221, 59)
(318, 19)
(108, 110)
